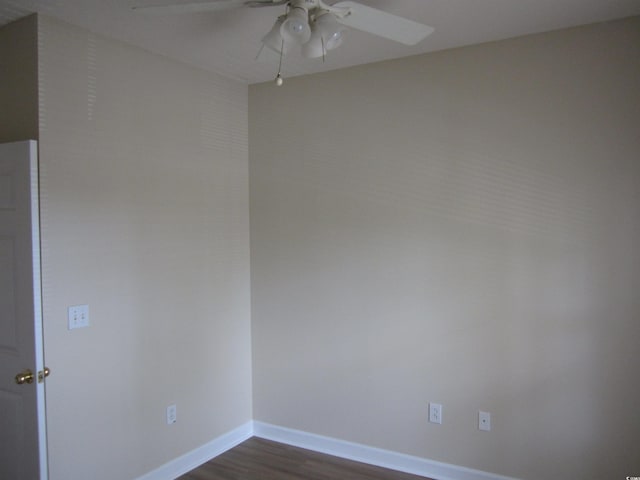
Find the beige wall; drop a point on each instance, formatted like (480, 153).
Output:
(144, 169)
(19, 81)
(460, 227)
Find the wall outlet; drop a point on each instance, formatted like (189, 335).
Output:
(171, 415)
(484, 421)
(435, 413)
(78, 316)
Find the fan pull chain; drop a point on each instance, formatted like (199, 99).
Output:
(259, 52)
(279, 80)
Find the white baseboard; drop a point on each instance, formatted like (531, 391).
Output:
(195, 458)
(318, 443)
(371, 455)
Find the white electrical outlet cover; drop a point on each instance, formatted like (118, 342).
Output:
(435, 413)
(171, 414)
(484, 421)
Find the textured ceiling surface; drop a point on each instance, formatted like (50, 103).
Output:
(228, 42)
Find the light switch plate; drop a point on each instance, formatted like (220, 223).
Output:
(78, 316)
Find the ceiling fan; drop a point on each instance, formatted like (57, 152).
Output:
(312, 26)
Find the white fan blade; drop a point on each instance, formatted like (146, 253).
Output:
(191, 7)
(383, 24)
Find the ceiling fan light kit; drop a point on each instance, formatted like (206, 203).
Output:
(296, 29)
(315, 47)
(330, 30)
(326, 34)
(312, 26)
(274, 40)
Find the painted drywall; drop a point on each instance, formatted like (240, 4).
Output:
(144, 207)
(19, 81)
(460, 227)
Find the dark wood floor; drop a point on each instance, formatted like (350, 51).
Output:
(265, 460)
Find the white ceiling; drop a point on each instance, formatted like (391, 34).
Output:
(228, 42)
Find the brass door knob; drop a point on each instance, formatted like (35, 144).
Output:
(24, 377)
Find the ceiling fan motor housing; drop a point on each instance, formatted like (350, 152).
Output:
(307, 4)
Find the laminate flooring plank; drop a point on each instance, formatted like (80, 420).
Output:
(260, 459)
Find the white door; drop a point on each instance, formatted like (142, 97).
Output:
(23, 454)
